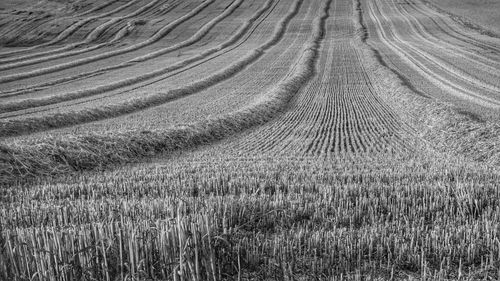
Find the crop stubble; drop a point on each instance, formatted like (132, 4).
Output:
(314, 145)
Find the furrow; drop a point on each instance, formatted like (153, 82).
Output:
(166, 8)
(193, 39)
(203, 31)
(426, 72)
(18, 27)
(311, 109)
(61, 52)
(439, 42)
(268, 134)
(97, 8)
(70, 30)
(127, 82)
(22, 159)
(338, 114)
(463, 35)
(20, 126)
(443, 128)
(277, 136)
(157, 36)
(79, 24)
(433, 60)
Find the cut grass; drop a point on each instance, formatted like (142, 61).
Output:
(444, 128)
(206, 219)
(93, 151)
(216, 214)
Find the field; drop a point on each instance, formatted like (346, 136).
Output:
(249, 140)
(483, 13)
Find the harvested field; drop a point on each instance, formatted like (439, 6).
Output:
(484, 14)
(248, 140)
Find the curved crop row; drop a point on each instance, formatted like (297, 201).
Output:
(94, 9)
(100, 150)
(29, 103)
(411, 55)
(193, 39)
(225, 97)
(338, 113)
(94, 35)
(441, 126)
(198, 35)
(157, 36)
(74, 27)
(451, 29)
(166, 8)
(432, 55)
(71, 29)
(61, 52)
(462, 21)
(437, 40)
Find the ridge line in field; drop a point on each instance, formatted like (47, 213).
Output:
(31, 103)
(6, 54)
(419, 66)
(433, 40)
(203, 31)
(75, 26)
(436, 123)
(438, 62)
(16, 127)
(86, 152)
(157, 36)
(423, 32)
(90, 37)
(457, 29)
(463, 21)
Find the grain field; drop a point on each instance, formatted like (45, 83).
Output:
(249, 140)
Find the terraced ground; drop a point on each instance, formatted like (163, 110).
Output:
(248, 140)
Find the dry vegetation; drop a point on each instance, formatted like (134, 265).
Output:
(481, 14)
(248, 140)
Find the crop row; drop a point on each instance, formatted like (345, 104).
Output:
(444, 128)
(109, 54)
(12, 127)
(128, 145)
(91, 37)
(157, 36)
(65, 33)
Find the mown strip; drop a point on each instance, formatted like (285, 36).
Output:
(100, 7)
(20, 126)
(157, 36)
(444, 129)
(83, 152)
(420, 60)
(462, 21)
(193, 39)
(63, 51)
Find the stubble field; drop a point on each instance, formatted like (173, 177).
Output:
(248, 140)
